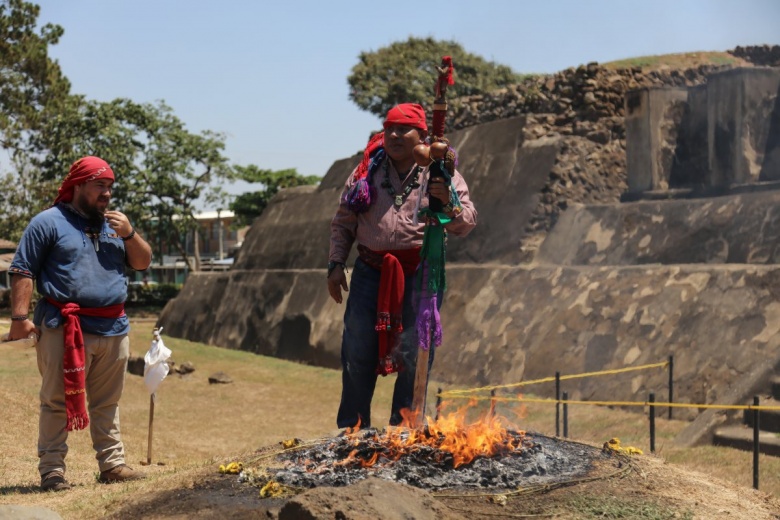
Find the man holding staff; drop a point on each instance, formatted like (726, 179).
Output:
(378, 209)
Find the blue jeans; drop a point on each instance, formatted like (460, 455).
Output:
(360, 351)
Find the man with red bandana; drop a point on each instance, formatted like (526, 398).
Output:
(378, 209)
(77, 252)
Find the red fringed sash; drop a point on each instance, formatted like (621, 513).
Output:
(389, 316)
(73, 363)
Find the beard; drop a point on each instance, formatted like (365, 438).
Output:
(94, 213)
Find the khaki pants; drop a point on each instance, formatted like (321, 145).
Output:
(105, 368)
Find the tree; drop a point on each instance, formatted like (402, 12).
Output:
(32, 89)
(162, 169)
(406, 72)
(31, 84)
(249, 206)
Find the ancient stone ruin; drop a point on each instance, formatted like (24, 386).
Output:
(624, 217)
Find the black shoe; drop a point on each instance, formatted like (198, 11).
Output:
(54, 481)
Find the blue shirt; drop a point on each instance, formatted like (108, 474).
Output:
(72, 262)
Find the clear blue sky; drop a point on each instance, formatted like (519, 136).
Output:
(272, 75)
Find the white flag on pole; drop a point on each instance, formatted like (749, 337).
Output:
(155, 366)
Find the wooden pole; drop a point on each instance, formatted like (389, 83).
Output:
(420, 385)
(151, 429)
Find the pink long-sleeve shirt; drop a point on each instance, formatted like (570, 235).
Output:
(386, 227)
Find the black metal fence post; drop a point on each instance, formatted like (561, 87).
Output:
(557, 404)
(651, 398)
(493, 403)
(438, 404)
(756, 418)
(671, 384)
(565, 415)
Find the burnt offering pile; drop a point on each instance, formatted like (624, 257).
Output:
(479, 456)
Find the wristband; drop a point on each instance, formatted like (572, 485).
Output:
(129, 237)
(20, 317)
(333, 265)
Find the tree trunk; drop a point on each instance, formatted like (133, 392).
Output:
(196, 250)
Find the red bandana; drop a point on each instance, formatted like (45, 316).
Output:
(409, 114)
(73, 364)
(84, 170)
(360, 196)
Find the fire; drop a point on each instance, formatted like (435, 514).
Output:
(449, 438)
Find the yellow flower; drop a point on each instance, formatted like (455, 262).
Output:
(234, 468)
(271, 489)
(290, 443)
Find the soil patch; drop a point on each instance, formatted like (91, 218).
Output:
(614, 486)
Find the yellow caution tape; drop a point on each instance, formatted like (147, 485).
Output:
(659, 404)
(453, 393)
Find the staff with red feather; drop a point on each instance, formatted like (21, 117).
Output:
(388, 206)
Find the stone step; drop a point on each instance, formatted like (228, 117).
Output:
(769, 420)
(741, 437)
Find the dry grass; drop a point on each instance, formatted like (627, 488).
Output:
(197, 425)
(677, 61)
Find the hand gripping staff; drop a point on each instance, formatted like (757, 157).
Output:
(430, 281)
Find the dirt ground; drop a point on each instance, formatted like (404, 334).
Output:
(636, 487)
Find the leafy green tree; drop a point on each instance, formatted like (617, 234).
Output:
(31, 84)
(249, 206)
(32, 90)
(405, 72)
(163, 170)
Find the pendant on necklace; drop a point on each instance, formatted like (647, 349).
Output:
(96, 243)
(399, 199)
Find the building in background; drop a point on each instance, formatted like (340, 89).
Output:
(217, 243)
(7, 251)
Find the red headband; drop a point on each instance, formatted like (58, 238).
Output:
(84, 170)
(409, 114)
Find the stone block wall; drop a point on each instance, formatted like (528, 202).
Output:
(547, 156)
(710, 138)
(653, 117)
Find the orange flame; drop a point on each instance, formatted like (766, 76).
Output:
(450, 434)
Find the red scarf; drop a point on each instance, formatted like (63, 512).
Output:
(389, 309)
(84, 170)
(73, 365)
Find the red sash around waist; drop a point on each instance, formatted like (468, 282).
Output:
(394, 266)
(73, 360)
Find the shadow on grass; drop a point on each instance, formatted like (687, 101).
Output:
(20, 490)
(217, 497)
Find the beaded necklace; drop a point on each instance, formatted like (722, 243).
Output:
(399, 199)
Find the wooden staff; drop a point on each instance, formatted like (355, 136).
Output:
(438, 149)
(151, 430)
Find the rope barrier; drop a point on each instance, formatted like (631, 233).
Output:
(453, 393)
(658, 404)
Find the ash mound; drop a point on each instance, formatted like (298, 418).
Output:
(431, 461)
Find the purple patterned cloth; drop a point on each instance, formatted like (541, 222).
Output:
(428, 324)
